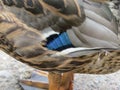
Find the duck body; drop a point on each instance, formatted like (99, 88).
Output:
(25, 43)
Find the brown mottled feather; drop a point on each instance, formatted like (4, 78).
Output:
(59, 14)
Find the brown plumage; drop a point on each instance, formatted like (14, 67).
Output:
(24, 44)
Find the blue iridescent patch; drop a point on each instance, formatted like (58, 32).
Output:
(60, 42)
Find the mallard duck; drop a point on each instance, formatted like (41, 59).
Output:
(25, 44)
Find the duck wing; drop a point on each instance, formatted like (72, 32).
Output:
(25, 44)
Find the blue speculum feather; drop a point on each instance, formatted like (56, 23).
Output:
(60, 42)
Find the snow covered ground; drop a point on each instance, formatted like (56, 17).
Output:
(11, 71)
